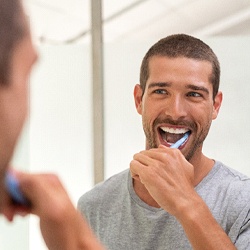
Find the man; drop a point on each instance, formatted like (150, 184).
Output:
(174, 198)
(61, 224)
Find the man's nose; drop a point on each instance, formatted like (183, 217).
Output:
(176, 108)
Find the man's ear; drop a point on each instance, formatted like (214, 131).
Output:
(217, 104)
(138, 98)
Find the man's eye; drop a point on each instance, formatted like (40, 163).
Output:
(194, 94)
(160, 91)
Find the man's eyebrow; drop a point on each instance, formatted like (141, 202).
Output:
(200, 88)
(167, 84)
(159, 84)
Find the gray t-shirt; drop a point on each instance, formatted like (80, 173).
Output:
(122, 221)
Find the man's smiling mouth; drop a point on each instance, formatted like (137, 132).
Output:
(171, 135)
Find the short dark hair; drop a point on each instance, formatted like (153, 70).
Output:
(13, 28)
(182, 45)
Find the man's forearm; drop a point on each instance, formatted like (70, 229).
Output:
(202, 229)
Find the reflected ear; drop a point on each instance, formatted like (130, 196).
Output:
(138, 98)
(217, 104)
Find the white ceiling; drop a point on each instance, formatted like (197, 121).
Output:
(61, 21)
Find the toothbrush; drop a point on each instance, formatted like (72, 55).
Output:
(180, 141)
(13, 188)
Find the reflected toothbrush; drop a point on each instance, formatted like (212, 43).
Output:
(13, 188)
(180, 141)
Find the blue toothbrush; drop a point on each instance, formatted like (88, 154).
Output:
(13, 188)
(180, 141)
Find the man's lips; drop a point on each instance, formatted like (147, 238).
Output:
(169, 135)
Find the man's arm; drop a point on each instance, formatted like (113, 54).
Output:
(169, 179)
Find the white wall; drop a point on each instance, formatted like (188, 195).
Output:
(60, 121)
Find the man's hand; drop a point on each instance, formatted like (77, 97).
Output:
(167, 176)
(62, 226)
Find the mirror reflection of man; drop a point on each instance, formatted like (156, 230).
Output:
(173, 198)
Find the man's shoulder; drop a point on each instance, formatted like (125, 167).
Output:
(232, 175)
(227, 180)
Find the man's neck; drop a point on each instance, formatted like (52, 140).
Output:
(143, 194)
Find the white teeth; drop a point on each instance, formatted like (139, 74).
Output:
(174, 130)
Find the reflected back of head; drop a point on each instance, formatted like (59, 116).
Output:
(13, 28)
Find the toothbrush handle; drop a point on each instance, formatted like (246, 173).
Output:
(180, 141)
(13, 188)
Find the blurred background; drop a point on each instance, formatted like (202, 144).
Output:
(64, 21)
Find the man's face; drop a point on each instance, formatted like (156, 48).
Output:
(177, 99)
(14, 99)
